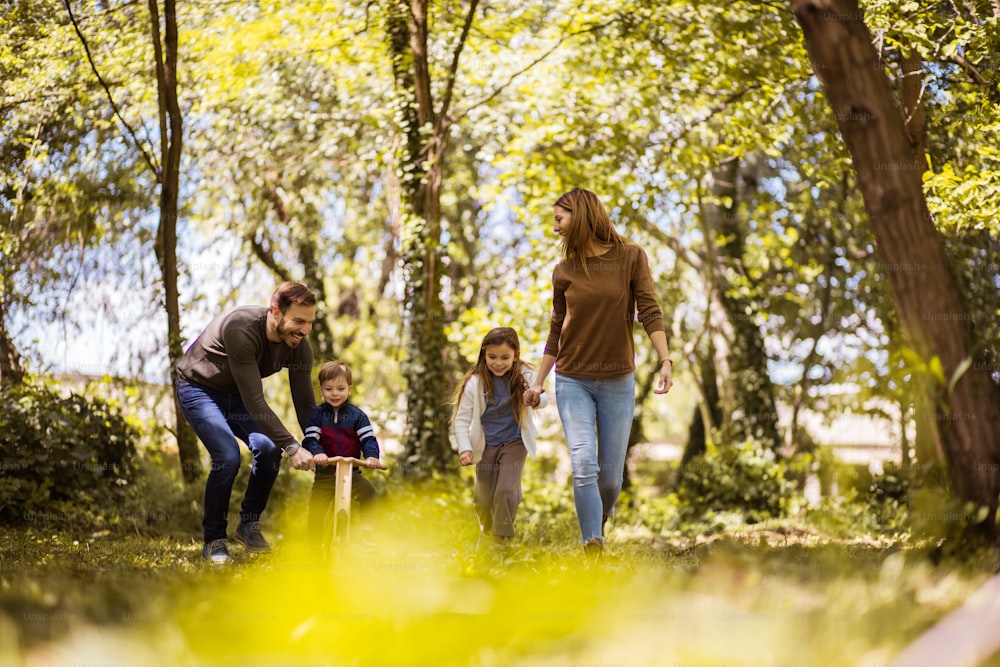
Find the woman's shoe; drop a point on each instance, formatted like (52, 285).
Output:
(594, 547)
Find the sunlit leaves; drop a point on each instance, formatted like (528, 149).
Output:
(71, 182)
(293, 131)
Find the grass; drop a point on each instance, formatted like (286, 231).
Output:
(415, 592)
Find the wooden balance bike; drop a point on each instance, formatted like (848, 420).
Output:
(342, 498)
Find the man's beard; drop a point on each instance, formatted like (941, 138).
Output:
(287, 335)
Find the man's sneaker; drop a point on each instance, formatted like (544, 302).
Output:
(216, 552)
(248, 534)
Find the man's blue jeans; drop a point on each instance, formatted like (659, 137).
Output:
(218, 419)
(597, 419)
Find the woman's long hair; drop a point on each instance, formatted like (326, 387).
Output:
(518, 384)
(589, 221)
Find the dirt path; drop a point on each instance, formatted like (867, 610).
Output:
(966, 637)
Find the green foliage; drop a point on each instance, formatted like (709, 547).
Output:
(70, 186)
(855, 514)
(160, 503)
(913, 501)
(547, 515)
(889, 497)
(293, 134)
(67, 460)
(747, 479)
(892, 485)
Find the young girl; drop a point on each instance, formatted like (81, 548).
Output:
(495, 429)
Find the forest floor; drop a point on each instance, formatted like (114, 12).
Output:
(414, 591)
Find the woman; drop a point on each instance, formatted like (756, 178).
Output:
(599, 288)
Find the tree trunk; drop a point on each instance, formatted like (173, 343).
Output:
(171, 131)
(927, 296)
(913, 104)
(745, 389)
(793, 443)
(904, 439)
(637, 434)
(321, 334)
(912, 94)
(11, 372)
(427, 369)
(707, 415)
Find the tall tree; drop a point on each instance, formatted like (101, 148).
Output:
(427, 126)
(436, 99)
(642, 95)
(931, 306)
(744, 386)
(168, 176)
(267, 142)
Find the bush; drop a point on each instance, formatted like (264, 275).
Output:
(890, 485)
(160, 503)
(548, 513)
(64, 459)
(746, 478)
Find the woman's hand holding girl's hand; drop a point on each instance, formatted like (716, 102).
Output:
(465, 458)
(533, 396)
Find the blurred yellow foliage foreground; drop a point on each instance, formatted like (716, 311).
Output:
(414, 591)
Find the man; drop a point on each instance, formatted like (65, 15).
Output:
(221, 395)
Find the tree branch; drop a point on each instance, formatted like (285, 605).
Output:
(107, 91)
(686, 255)
(257, 243)
(11, 104)
(161, 86)
(265, 255)
(968, 67)
(499, 89)
(712, 112)
(453, 67)
(368, 7)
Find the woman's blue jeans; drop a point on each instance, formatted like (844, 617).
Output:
(218, 419)
(597, 419)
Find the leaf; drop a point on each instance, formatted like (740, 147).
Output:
(937, 370)
(914, 360)
(960, 370)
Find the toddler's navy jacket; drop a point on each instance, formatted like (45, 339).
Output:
(343, 431)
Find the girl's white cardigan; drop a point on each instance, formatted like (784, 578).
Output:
(469, 425)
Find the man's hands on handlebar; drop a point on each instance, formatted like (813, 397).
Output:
(303, 459)
(370, 462)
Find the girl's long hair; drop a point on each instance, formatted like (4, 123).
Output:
(518, 384)
(588, 221)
